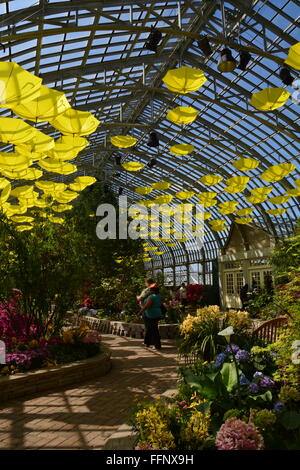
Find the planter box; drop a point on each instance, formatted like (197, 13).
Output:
(132, 330)
(40, 380)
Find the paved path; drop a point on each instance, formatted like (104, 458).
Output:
(83, 417)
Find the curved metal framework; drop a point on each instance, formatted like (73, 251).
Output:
(94, 52)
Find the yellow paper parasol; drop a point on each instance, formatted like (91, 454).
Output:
(277, 172)
(269, 99)
(182, 115)
(181, 149)
(48, 105)
(76, 122)
(132, 166)
(184, 79)
(123, 141)
(245, 164)
(17, 85)
(293, 58)
(15, 131)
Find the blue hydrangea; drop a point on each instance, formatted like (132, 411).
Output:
(244, 380)
(253, 388)
(232, 348)
(220, 359)
(279, 406)
(266, 382)
(242, 355)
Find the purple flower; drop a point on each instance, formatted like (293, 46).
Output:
(266, 382)
(244, 380)
(279, 406)
(242, 355)
(220, 359)
(232, 348)
(253, 388)
(257, 375)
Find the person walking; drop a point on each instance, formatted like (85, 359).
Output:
(152, 313)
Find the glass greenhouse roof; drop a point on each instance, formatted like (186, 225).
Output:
(96, 55)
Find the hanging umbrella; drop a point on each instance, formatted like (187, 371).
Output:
(237, 181)
(181, 149)
(17, 85)
(161, 185)
(62, 168)
(147, 203)
(183, 195)
(276, 211)
(23, 228)
(262, 191)
(15, 131)
(62, 207)
(256, 199)
(184, 79)
(269, 99)
(228, 207)
(245, 164)
(28, 174)
(295, 192)
(207, 195)
(123, 141)
(85, 180)
(210, 180)
(277, 172)
(278, 199)
(40, 142)
(13, 161)
(182, 115)
(206, 215)
(293, 58)
(66, 196)
(48, 105)
(26, 149)
(5, 193)
(50, 186)
(235, 189)
(164, 199)
(3, 182)
(143, 190)
(67, 147)
(132, 166)
(21, 191)
(22, 218)
(244, 220)
(57, 220)
(12, 209)
(245, 211)
(76, 122)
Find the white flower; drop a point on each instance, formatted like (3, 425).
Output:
(296, 344)
(227, 333)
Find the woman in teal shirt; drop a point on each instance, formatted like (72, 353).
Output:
(152, 313)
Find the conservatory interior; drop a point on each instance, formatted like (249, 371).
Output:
(149, 225)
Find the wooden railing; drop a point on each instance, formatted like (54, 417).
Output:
(270, 329)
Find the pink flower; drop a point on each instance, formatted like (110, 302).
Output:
(92, 337)
(235, 434)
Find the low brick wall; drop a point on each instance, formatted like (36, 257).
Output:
(132, 330)
(41, 380)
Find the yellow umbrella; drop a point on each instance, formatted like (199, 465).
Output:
(184, 79)
(295, 192)
(12, 209)
(171, 245)
(147, 203)
(123, 141)
(63, 168)
(143, 190)
(22, 218)
(42, 202)
(210, 180)
(181, 149)
(262, 191)
(228, 207)
(161, 185)
(22, 191)
(77, 186)
(150, 248)
(5, 193)
(256, 199)
(276, 211)
(85, 180)
(76, 122)
(66, 196)
(40, 142)
(23, 228)
(26, 149)
(208, 202)
(48, 105)
(164, 199)
(17, 85)
(15, 131)
(183, 195)
(3, 182)
(245, 211)
(293, 58)
(28, 174)
(245, 164)
(132, 166)
(182, 115)
(57, 220)
(206, 215)
(67, 147)
(277, 172)
(243, 220)
(269, 99)
(62, 207)
(235, 189)
(13, 161)
(207, 195)
(50, 186)
(238, 181)
(278, 199)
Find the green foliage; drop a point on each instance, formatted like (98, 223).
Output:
(64, 353)
(286, 257)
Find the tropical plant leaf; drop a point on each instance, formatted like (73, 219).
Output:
(229, 376)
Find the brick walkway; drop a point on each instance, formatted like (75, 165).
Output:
(83, 417)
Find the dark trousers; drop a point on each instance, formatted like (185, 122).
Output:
(152, 337)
